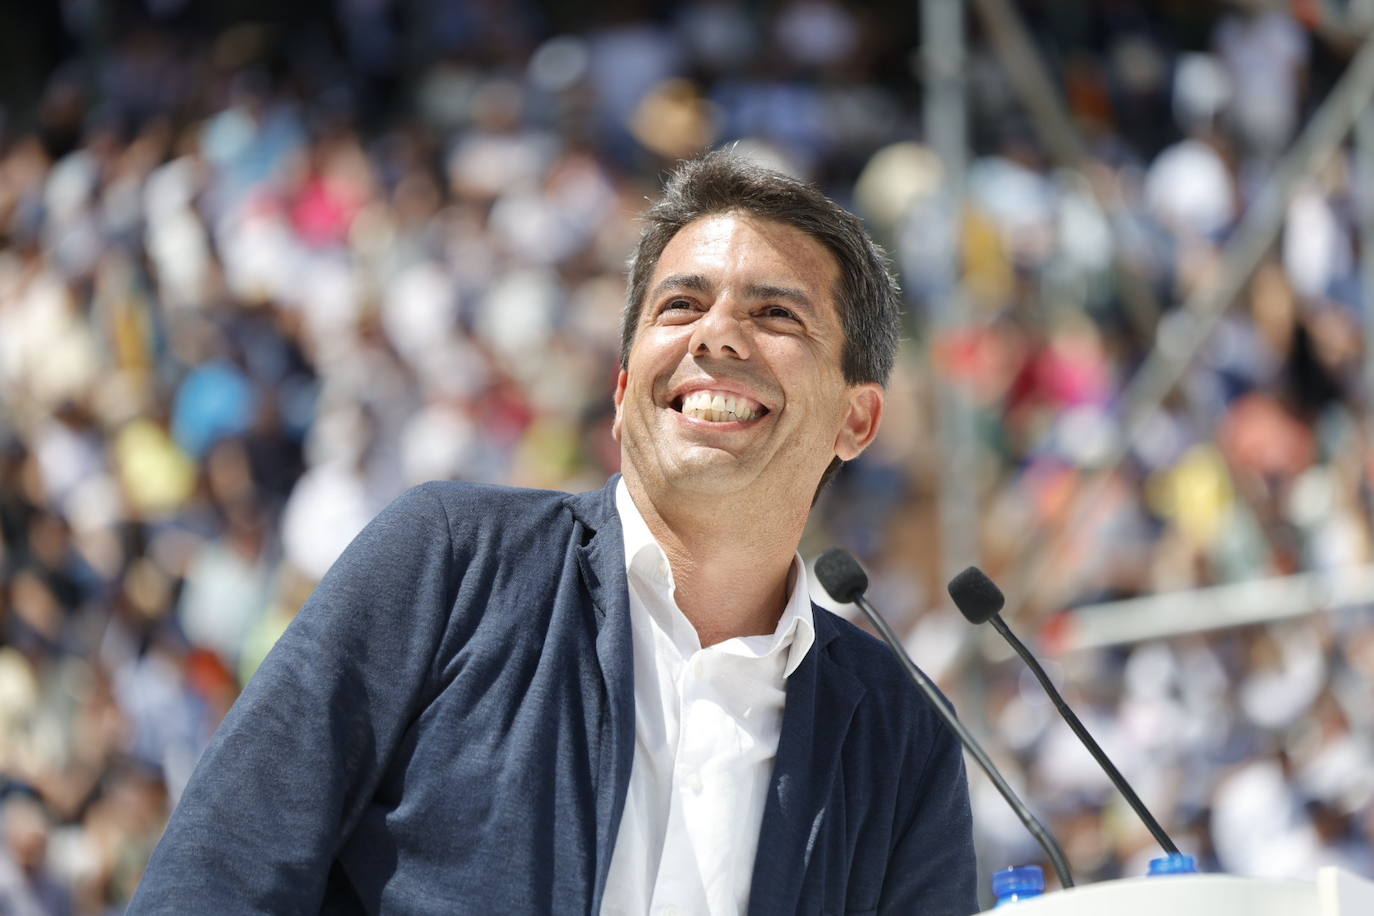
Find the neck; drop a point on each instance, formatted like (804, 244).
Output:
(731, 560)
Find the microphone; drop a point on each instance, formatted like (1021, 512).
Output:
(845, 581)
(979, 600)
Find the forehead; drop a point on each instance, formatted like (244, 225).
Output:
(737, 248)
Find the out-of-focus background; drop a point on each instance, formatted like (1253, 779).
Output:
(264, 265)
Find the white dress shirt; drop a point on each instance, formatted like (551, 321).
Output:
(707, 723)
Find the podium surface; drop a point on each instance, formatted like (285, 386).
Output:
(1334, 893)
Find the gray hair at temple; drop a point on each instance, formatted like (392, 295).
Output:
(867, 296)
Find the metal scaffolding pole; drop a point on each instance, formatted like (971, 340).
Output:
(1166, 364)
(1364, 176)
(946, 127)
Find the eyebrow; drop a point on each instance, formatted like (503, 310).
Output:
(787, 293)
(695, 282)
(699, 283)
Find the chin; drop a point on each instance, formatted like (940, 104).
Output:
(709, 476)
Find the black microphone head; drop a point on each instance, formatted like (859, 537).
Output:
(977, 598)
(841, 575)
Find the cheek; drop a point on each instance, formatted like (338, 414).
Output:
(637, 405)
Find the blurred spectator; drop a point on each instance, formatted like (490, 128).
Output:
(27, 888)
(1265, 51)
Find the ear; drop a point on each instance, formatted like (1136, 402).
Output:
(619, 401)
(861, 420)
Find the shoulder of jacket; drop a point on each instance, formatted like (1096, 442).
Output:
(467, 503)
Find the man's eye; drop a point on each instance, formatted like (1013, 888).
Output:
(777, 311)
(672, 304)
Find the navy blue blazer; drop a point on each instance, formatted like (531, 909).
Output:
(448, 727)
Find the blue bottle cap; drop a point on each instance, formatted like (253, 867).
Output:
(1175, 863)
(1016, 883)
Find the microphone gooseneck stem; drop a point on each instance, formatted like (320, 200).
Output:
(1113, 773)
(1042, 836)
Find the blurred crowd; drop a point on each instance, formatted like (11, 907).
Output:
(260, 273)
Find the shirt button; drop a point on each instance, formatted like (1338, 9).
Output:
(670, 911)
(694, 783)
(697, 665)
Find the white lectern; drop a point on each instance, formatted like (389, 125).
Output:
(1334, 893)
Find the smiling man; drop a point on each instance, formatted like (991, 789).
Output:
(623, 701)
(732, 395)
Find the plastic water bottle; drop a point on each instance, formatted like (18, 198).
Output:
(1012, 884)
(1175, 863)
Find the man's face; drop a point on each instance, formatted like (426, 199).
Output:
(734, 382)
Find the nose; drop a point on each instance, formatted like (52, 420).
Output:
(719, 332)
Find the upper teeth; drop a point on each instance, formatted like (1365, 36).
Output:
(718, 407)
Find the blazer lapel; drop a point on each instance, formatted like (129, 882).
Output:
(601, 562)
(821, 697)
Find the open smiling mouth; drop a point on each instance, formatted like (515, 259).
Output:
(718, 407)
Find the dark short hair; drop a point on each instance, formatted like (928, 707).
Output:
(868, 298)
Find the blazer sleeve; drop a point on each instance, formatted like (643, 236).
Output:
(295, 761)
(933, 870)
